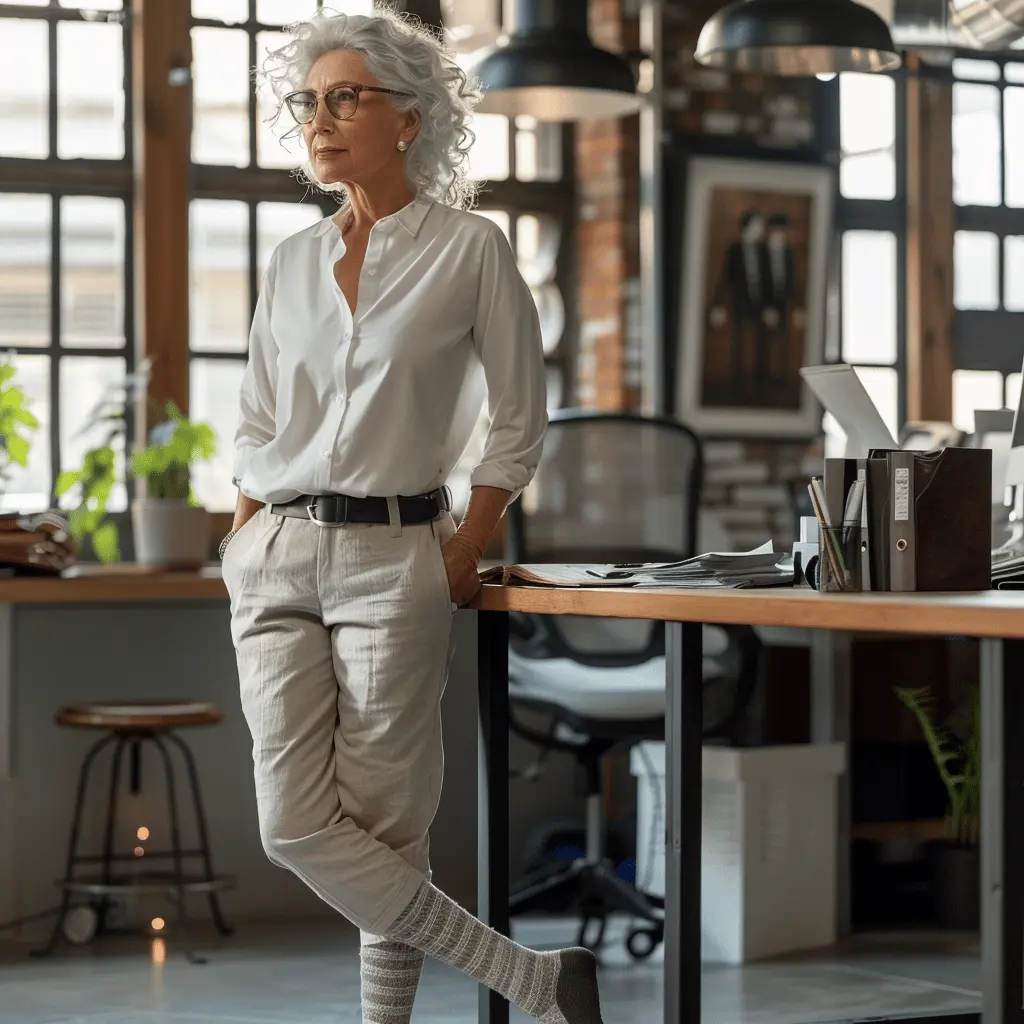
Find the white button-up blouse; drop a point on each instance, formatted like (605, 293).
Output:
(382, 400)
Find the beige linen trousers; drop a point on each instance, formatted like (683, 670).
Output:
(343, 637)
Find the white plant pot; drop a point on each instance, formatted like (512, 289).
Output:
(169, 531)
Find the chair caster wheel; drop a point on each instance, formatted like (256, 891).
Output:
(642, 942)
(80, 925)
(586, 937)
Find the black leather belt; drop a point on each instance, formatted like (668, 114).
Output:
(338, 509)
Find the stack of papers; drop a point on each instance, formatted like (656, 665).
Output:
(1008, 569)
(762, 567)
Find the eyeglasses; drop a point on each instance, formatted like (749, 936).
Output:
(342, 102)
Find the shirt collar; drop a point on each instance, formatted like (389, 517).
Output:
(411, 217)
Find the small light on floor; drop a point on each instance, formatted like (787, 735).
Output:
(158, 951)
(139, 851)
(143, 833)
(157, 924)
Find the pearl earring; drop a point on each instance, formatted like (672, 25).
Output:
(403, 146)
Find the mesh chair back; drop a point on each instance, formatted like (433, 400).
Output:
(609, 488)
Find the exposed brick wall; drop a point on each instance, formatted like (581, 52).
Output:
(608, 208)
(762, 110)
(748, 481)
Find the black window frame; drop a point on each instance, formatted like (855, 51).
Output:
(58, 178)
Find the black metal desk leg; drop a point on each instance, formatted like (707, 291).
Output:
(683, 736)
(493, 827)
(1002, 831)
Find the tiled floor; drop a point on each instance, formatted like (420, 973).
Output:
(308, 974)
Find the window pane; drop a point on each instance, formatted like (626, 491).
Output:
(231, 11)
(979, 70)
(883, 387)
(500, 217)
(219, 270)
(29, 3)
(1014, 73)
(28, 488)
(93, 5)
(213, 398)
(488, 159)
(1013, 390)
(83, 380)
(24, 88)
(284, 12)
(1013, 273)
(537, 240)
(92, 272)
(975, 389)
(869, 297)
(551, 313)
(25, 269)
(220, 90)
(271, 149)
(90, 90)
(538, 150)
(867, 136)
(275, 222)
(1013, 113)
(975, 270)
(977, 146)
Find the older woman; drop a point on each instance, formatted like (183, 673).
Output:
(376, 335)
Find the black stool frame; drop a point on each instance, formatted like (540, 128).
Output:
(176, 884)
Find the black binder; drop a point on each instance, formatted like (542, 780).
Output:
(936, 515)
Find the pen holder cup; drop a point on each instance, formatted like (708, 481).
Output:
(839, 560)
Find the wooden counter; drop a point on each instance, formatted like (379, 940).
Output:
(991, 613)
(119, 582)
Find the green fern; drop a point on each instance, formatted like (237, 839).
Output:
(958, 763)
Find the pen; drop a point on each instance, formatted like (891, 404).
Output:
(829, 540)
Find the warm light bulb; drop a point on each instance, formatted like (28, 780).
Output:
(157, 924)
(143, 833)
(139, 851)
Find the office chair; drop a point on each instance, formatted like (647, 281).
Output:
(609, 488)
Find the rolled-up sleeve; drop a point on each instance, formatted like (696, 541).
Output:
(506, 334)
(256, 420)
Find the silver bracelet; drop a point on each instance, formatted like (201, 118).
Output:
(224, 544)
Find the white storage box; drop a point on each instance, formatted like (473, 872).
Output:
(768, 846)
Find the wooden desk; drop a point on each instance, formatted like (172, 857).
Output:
(996, 618)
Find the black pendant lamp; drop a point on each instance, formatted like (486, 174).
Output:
(796, 37)
(548, 68)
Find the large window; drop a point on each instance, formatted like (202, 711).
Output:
(65, 234)
(870, 215)
(988, 188)
(245, 201)
(988, 254)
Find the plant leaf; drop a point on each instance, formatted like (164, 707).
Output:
(106, 542)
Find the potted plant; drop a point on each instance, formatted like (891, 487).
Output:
(956, 750)
(15, 419)
(170, 526)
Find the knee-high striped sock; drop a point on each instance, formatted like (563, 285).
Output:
(554, 988)
(389, 974)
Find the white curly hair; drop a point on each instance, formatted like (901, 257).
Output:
(403, 55)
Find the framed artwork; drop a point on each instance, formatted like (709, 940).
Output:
(757, 238)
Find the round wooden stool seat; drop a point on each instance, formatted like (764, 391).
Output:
(128, 715)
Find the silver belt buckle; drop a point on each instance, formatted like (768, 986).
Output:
(311, 512)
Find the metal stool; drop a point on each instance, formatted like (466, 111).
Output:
(129, 725)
